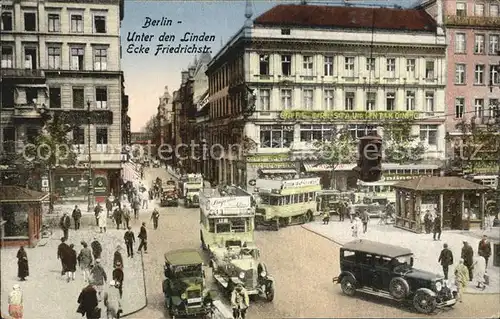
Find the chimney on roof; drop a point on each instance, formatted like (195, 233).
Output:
(248, 14)
(439, 17)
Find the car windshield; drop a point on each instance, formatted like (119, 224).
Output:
(187, 271)
(402, 261)
(193, 190)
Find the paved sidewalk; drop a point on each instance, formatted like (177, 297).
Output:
(426, 250)
(46, 293)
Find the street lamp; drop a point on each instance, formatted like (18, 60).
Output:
(90, 186)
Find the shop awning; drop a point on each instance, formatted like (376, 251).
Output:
(313, 167)
(278, 171)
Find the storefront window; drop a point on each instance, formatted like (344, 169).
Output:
(311, 133)
(71, 185)
(276, 136)
(16, 221)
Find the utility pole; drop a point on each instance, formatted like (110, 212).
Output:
(90, 186)
(496, 111)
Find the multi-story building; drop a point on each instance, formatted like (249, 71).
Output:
(64, 56)
(190, 98)
(473, 64)
(351, 70)
(164, 116)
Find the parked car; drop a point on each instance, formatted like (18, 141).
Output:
(169, 198)
(387, 271)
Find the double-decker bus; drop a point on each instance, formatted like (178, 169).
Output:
(284, 202)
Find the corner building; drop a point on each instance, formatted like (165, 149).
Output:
(350, 70)
(63, 55)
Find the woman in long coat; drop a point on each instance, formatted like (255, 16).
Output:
(71, 263)
(479, 269)
(85, 260)
(103, 220)
(22, 264)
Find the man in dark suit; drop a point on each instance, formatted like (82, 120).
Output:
(437, 228)
(143, 236)
(468, 257)
(484, 249)
(446, 259)
(62, 254)
(65, 224)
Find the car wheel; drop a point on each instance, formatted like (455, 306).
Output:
(424, 302)
(398, 288)
(270, 293)
(348, 285)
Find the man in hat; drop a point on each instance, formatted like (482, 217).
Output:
(62, 254)
(239, 301)
(468, 257)
(77, 216)
(446, 259)
(125, 216)
(484, 249)
(129, 238)
(99, 276)
(118, 277)
(117, 257)
(112, 301)
(65, 224)
(143, 236)
(154, 217)
(96, 248)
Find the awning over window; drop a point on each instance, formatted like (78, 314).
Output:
(313, 167)
(278, 171)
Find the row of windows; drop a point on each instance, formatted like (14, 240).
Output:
(481, 109)
(286, 100)
(282, 136)
(231, 72)
(480, 73)
(54, 22)
(30, 135)
(480, 9)
(77, 97)
(480, 44)
(54, 57)
(288, 199)
(349, 66)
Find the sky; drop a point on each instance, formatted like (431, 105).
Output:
(146, 75)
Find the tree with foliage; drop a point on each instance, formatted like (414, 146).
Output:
(399, 145)
(475, 149)
(340, 149)
(51, 149)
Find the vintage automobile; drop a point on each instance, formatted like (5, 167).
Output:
(387, 271)
(238, 263)
(186, 294)
(169, 198)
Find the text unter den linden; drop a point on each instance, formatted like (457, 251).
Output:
(139, 42)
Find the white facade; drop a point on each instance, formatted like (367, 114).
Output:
(404, 77)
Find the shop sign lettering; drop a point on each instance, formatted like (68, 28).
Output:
(347, 115)
(268, 158)
(270, 165)
(228, 202)
(300, 182)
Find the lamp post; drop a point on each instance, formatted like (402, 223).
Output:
(90, 186)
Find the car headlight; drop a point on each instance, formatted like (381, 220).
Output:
(184, 296)
(242, 275)
(439, 286)
(263, 274)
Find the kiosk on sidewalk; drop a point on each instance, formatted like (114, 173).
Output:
(21, 210)
(459, 202)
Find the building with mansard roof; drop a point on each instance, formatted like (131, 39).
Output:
(297, 73)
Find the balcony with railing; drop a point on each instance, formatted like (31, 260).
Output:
(22, 73)
(471, 21)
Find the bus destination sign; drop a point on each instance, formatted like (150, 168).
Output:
(228, 202)
(300, 182)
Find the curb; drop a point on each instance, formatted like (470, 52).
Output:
(145, 291)
(338, 243)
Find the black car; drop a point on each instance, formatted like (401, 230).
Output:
(387, 271)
